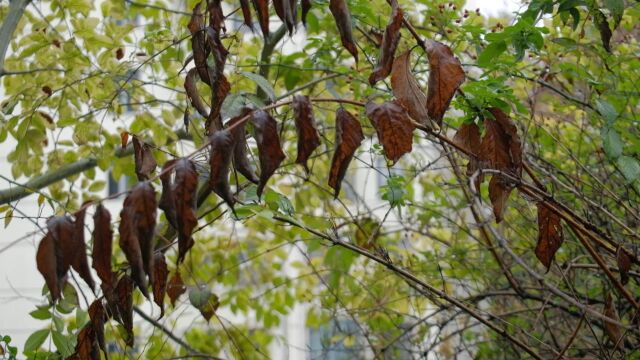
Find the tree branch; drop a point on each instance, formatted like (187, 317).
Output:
(16, 9)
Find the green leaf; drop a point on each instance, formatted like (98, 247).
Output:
(262, 83)
(607, 111)
(491, 52)
(616, 7)
(36, 340)
(611, 143)
(41, 314)
(7, 218)
(63, 344)
(199, 297)
(629, 167)
(339, 260)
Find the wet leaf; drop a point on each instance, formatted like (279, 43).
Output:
(349, 136)
(269, 149)
(394, 128)
(445, 76)
(220, 161)
(342, 16)
(390, 41)
(124, 305)
(137, 226)
(246, 13)
(262, 10)
(308, 138)
(79, 260)
(407, 91)
(550, 236)
(193, 94)
(240, 160)
(624, 264)
(145, 162)
(175, 288)
(160, 275)
(614, 332)
(186, 197)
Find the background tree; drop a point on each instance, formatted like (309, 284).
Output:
(449, 263)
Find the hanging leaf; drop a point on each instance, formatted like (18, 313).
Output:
(175, 288)
(124, 305)
(394, 128)
(614, 332)
(285, 13)
(262, 10)
(604, 28)
(220, 161)
(263, 83)
(550, 236)
(468, 138)
(124, 139)
(79, 260)
(501, 147)
(186, 198)
(160, 274)
(499, 191)
(270, 152)
(98, 317)
(246, 13)
(49, 263)
(137, 225)
(308, 138)
(342, 16)
(167, 199)
(407, 91)
(193, 94)
(198, 44)
(240, 159)
(390, 41)
(306, 6)
(87, 345)
(349, 136)
(445, 77)
(205, 301)
(624, 264)
(145, 162)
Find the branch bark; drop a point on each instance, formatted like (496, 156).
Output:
(16, 9)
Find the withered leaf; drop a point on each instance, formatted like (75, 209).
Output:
(468, 138)
(306, 6)
(308, 138)
(124, 139)
(262, 11)
(349, 136)
(87, 345)
(190, 87)
(604, 28)
(167, 199)
(268, 140)
(407, 91)
(445, 76)
(119, 54)
(79, 260)
(137, 226)
(220, 161)
(394, 128)
(614, 332)
(342, 16)
(49, 264)
(550, 236)
(175, 288)
(285, 13)
(98, 317)
(390, 41)
(160, 275)
(124, 305)
(499, 191)
(501, 147)
(624, 264)
(145, 162)
(246, 13)
(186, 196)
(240, 159)
(198, 44)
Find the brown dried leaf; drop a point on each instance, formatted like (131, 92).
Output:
(499, 191)
(198, 44)
(50, 265)
(390, 41)
(145, 162)
(550, 236)
(79, 260)
(124, 305)
(119, 54)
(220, 162)
(268, 140)
(286, 13)
(240, 159)
(614, 332)
(47, 90)
(604, 28)
(624, 264)
(308, 138)
(501, 147)
(262, 10)
(137, 226)
(468, 138)
(306, 6)
(193, 94)
(186, 197)
(167, 199)
(87, 346)
(124, 139)
(342, 16)
(175, 288)
(160, 275)
(98, 317)
(246, 13)
(349, 136)
(407, 91)
(445, 76)
(394, 128)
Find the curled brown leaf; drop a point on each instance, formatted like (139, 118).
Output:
(390, 41)
(269, 149)
(98, 317)
(624, 264)
(193, 94)
(160, 274)
(124, 305)
(613, 331)
(246, 13)
(262, 10)
(445, 77)
(550, 236)
(167, 199)
(49, 264)
(308, 138)
(306, 6)
(342, 16)
(79, 260)
(406, 89)
(186, 198)
(220, 160)
(240, 159)
(349, 136)
(145, 162)
(175, 288)
(393, 126)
